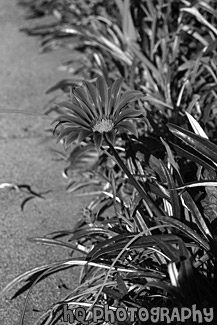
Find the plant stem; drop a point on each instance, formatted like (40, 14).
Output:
(133, 181)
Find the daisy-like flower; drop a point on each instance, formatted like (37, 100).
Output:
(96, 110)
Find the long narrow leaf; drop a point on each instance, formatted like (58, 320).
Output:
(173, 194)
(204, 146)
(117, 243)
(189, 202)
(194, 157)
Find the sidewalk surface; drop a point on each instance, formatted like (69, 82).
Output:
(25, 75)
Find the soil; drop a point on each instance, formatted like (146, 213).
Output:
(25, 75)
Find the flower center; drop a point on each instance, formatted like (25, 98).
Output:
(103, 125)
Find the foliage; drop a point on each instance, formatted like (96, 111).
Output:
(166, 49)
(149, 236)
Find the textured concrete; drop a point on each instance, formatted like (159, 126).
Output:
(25, 74)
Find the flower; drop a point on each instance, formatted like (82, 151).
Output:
(96, 110)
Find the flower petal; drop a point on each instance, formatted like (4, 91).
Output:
(94, 96)
(78, 121)
(82, 98)
(98, 138)
(103, 93)
(82, 113)
(127, 113)
(128, 97)
(83, 134)
(71, 138)
(60, 118)
(65, 132)
(114, 94)
(70, 118)
(129, 126)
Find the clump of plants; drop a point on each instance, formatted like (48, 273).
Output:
(143, 121)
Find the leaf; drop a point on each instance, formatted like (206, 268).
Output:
(112, 293)
(117, 243)
(186, 281)
(194, 11)
(171, 158)
(197, 184)
(121, 285)
(167, 248)
(129, 30)
(159, 191)
(194, 156)
(102, 65)
(98, 140)
(113, 49)
(196, 126)
(200, 222)
(144, 275)
(81, 185)
(84, 232)
(63, 84)
(158, 102)
(186, 230)
(82, 158)
(38, 274)
(53, 242)
(151, 68)
(202, 145)
(172, 291)
(194, 286)
(173, 194)
(209, 203)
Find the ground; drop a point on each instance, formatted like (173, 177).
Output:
(25, 159)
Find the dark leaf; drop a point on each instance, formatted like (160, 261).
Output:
(209, 203)
(204, 146)
(117, 243)
(121, 285)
